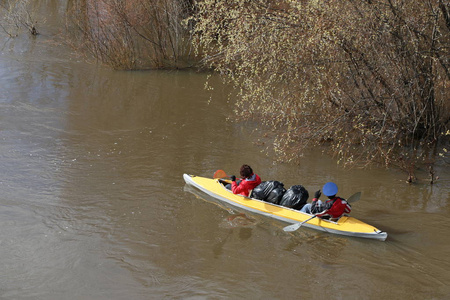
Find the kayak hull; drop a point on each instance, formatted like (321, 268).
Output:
(347, 226)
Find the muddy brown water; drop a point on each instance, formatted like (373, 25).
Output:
(93, 204)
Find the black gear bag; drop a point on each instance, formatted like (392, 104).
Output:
(295, 197)
(271, 191)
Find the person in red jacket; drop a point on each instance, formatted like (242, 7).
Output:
(333, 208)
(248, 182)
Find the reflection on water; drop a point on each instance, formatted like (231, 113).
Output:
(93, 203)
(239, 220)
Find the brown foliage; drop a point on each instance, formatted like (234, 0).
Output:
(370, 77)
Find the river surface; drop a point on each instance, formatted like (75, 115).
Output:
(93, 204)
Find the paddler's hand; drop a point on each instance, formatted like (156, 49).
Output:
(317, 194)
(233, 178)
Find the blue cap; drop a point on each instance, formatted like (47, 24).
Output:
(330, 189)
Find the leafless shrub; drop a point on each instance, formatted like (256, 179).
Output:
(17, 14)
(134, 34)
(369, 79)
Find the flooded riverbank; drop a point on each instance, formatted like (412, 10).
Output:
(93, 204)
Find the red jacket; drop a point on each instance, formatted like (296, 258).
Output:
(245, 185)
(334, 207)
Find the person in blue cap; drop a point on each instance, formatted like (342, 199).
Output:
(333, 208)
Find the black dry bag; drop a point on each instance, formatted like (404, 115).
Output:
(262, 191)
(277, 193)
(295, 197)
(270, 191)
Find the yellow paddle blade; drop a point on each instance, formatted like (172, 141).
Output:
(220, 174)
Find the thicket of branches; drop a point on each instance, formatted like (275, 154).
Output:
(16, 15)
(369, 78)
(133, 34)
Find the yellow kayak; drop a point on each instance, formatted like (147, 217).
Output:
(346, 225)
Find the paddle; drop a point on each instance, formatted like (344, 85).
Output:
(220, 174)
(352, 199)
(296, 226)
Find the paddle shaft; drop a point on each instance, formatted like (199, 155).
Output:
(296, 226)
(307, 220)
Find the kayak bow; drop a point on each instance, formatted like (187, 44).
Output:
(346, 225)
